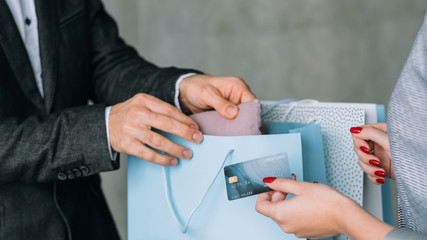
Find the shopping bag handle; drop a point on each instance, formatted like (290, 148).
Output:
(183, 226)
(172, 208)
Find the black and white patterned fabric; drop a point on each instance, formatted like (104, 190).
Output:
(407, 125)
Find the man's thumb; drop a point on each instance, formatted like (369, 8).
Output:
(224, 107)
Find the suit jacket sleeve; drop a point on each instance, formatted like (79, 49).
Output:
(118, 72)
(58, 146)
(71, 141)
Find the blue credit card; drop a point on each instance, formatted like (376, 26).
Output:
(245, 179)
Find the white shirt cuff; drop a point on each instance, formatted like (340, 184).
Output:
(177, 105)
(113, 154)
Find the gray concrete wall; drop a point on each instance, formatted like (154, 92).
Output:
(331, 50)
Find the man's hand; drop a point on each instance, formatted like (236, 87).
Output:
(130, 131)
(199, 93)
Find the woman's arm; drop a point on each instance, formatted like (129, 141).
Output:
(319, 211)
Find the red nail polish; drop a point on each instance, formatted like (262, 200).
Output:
(315, 182)
(380, 181)
(355, 129)
(365, 149)
(380, 173)
(269, 179)
(374, 162)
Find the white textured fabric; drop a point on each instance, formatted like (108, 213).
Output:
(403, 234)
(113, 154)
(24, 14)
(407, 125)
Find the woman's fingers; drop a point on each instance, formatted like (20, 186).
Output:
(264, 205)
(278, 196)
(374, 173)
(380, 126)
(370, 133)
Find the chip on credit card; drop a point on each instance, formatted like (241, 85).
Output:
(245, 179)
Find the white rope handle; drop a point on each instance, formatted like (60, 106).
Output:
(172, 208)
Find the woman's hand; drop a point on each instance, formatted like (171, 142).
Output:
(312, 213)
(373, 149)
(318, 211)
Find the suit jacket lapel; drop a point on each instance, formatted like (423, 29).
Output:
(48, 40)
(14, 49)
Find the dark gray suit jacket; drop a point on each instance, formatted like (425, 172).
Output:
(52, 148)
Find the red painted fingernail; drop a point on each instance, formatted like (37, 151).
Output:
(355, 129)
(374, 162)
(380, 173)
(269, 179)
(380, 181)
(365, 149)
(315, 182)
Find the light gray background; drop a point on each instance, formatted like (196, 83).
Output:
(330, 50)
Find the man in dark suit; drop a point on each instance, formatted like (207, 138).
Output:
(55, 56)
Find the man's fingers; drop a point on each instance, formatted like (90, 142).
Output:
(220, 104)
(161, 143)
(159, 106)
(240, 94)
(130, 129)
(225, 108)
(168, 124)
(247, 96)
(138, 149)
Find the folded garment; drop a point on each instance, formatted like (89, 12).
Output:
(247, 122)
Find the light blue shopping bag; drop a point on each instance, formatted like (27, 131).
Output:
(312, 144)
(313, 155)
(162, 199)
(195, 183)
